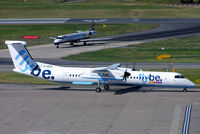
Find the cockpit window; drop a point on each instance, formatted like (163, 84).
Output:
(179, 76)
(59, 37)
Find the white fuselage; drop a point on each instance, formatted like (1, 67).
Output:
(112, 77)
(75, 37)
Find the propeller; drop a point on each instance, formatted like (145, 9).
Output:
(126, 75)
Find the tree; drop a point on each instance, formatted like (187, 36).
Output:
(187, 1)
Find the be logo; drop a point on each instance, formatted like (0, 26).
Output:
(46, 74)
(149, 77)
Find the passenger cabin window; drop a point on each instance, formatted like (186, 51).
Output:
(179, 76)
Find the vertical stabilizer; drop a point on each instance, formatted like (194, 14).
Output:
(20, 56)
(92, 26)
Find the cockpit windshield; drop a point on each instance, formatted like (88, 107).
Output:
(59, 37)
(179, 76)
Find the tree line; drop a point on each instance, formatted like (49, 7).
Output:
(190, 1)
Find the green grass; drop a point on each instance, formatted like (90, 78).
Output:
(94, 9)
(15, 32)
(12, 77)
(181, 50)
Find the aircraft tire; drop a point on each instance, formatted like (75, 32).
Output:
(57, 46)
(138, 87)
(106, 87)
(185, 90)
(98, 90)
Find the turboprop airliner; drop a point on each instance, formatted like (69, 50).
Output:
(79, 36)
(102, 76)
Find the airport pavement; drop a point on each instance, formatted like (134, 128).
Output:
(49, 50)
(65, 109)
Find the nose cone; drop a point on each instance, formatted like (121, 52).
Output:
(94, 33)
(56, 41)
(190, 84)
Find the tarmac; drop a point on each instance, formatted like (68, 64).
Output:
(66, 109)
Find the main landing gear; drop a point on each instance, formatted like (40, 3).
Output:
(106, 88)
(185, 90)
(98, 89)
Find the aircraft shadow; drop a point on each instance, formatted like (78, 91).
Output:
(142, 90)
(57, 88)
(80, 45)
(67, 88)
(118, 91)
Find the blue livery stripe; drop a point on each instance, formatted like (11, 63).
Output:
(83, 83)
(102, 79)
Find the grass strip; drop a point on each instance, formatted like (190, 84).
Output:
(181, 50)
(95, 9)
(16, 32)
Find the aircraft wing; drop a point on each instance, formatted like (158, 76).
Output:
(95, 39)
(52, 38)
(105, 69)
(79, 31)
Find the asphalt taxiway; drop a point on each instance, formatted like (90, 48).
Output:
(55, 109)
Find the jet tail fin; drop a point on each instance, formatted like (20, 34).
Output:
(92, 26)
(21, 58)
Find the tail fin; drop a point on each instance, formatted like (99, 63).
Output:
(20, 56)
(92, 26)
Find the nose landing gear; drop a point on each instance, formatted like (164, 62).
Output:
(57, 45)
(185, 90)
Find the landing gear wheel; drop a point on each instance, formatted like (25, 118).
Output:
(106, 87)
(98, 89)
(84, 43)
(71, 43)
(138, 87)
(185, 90)
(57, 46)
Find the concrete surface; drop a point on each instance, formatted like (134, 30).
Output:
(55, 109)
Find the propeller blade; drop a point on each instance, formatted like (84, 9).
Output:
(126, 75)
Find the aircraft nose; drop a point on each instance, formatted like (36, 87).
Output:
(56, 41)
(190, 83)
